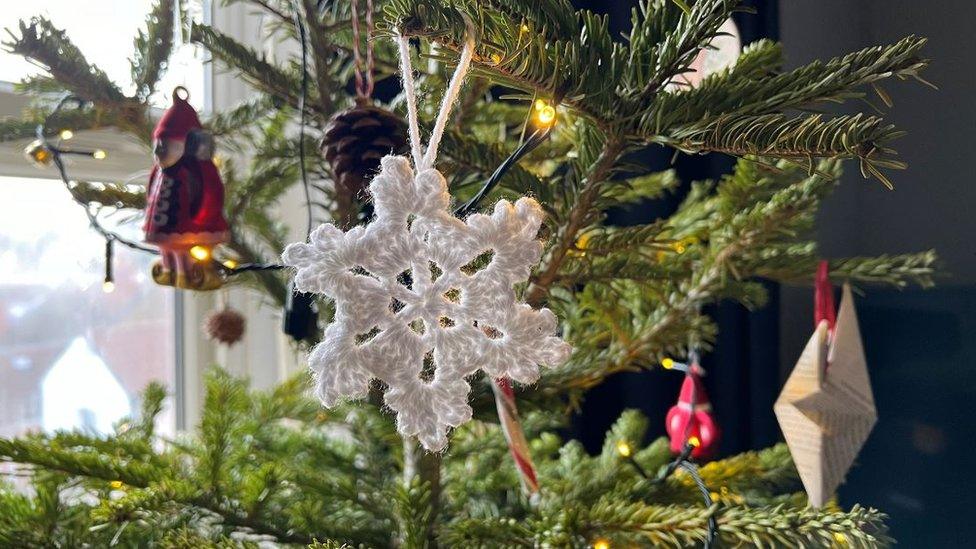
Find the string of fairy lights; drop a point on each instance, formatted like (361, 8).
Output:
(683, 462)
(44, 151)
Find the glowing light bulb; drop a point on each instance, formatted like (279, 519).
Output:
(525, 28)
(116, 484)
(66, 134)
(108, 286)
(601, 544)
(694, 441)
(99, 154)
(230, 263)
(545, 114)
(200, 253)
(668, 363)
(624, 449)
(38, 154)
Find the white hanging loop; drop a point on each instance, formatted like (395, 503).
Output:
(423, 161)
(406, 73)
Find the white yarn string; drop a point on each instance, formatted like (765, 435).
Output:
(450, 97)
(425, 161)
(406, 75)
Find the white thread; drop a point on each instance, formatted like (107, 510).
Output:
(425, 161)
(409, 89)
(450, 97)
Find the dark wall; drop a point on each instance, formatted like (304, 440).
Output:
(920, 345)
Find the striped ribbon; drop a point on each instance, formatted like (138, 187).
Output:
(512, 427)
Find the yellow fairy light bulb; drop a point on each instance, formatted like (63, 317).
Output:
(582, 241)
(116, 484)
(496, 58)
(668, 363)
(38, 153)
(624, 449)
(579, 250)
(108, 286)
(679, 247)
(66, 134)
(601, 543)
(525, 28)
(694, 441)
(200, 253)
(841, 539)
(546, 115)
(230, 263)
(99, 154)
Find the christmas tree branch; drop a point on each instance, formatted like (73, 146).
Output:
(757, 527)
(322, 52)
(580, 215)
(74, 119)
(739, 92)
(153, 48)
(802, 138)
(109, 194)
(41, 42)
(618, 88)
(665, 42)
(254, 68)
(894, 270)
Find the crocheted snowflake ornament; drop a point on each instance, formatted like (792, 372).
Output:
(424, 300)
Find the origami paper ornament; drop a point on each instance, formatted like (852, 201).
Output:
(826, 409)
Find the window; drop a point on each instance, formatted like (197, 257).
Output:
(72, 355)
(86, 24)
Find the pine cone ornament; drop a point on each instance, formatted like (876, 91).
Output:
(356, 139)
(225, 326)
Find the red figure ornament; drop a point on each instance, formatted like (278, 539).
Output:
(690, 420)
(184, 209)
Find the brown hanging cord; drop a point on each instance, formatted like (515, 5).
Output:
(364, 68)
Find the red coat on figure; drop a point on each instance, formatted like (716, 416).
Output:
(692, 417)
(185, 203)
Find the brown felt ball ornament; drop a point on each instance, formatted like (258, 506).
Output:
(356, 139)
(225, 326)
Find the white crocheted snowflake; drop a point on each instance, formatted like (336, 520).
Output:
(424, 300)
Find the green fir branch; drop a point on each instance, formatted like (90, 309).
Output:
(153, 48)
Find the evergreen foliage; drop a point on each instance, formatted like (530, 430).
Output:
(276, 467)
(273, 466)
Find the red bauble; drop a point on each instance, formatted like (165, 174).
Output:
(691, 418)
